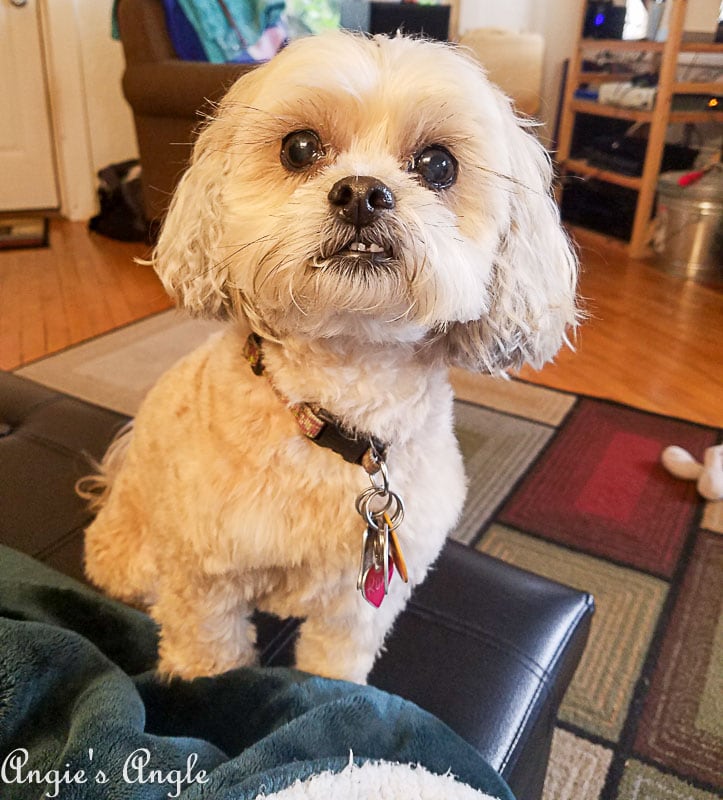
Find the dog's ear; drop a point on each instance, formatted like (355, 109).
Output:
(532, 289)
(187, 257)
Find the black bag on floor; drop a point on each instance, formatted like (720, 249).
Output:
(121, 203)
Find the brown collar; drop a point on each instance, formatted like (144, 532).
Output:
(319, 425)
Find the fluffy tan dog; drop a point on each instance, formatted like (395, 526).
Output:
(371, 209)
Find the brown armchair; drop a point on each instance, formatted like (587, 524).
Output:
(168, 96)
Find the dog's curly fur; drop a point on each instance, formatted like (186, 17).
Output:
(215, 502)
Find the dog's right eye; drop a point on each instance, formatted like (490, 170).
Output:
(300, 150)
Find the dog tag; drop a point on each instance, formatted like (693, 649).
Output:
(375, 579)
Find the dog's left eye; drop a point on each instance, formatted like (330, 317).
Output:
(300, 150)
(436, 166)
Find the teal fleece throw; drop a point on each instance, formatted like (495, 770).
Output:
(83, 715)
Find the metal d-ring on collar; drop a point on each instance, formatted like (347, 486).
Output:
(322, 427)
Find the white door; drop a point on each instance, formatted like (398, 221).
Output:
(27, 167)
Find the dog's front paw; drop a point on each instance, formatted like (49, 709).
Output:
(184, 655)
(353, 673)
(334, 651)
(187, 666)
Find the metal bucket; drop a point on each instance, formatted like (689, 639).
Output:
(688, 235)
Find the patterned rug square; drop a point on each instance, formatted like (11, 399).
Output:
(600, 487)
(512, 397)
(642, 782)
(577, 768)
(497, 449)
(627, 607)
(682, 722)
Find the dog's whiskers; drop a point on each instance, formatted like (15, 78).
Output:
(276, 268)
(224, 261)
(509, 179)
(293, 300)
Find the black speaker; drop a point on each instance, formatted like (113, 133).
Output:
(603, 20)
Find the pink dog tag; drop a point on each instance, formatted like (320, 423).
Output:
(373, 590)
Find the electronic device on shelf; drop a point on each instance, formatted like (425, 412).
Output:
(696, 102)
(626, 155)
(603, 20)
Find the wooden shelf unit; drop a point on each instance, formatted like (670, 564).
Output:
(658, 119)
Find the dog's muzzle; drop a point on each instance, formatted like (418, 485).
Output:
(360, 202)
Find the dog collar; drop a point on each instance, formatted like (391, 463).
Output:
(318, 425)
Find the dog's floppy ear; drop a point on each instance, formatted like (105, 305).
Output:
(187, 257)
(532, 287)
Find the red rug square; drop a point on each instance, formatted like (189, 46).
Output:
(600, 488)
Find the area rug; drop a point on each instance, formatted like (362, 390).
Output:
(569, 487)
(22, 232)
(642, 719)
(117, 369)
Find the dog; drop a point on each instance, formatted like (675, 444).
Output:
(365, 212)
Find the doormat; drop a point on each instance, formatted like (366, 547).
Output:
(17, 232)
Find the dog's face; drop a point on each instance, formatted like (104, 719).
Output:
(374, 188)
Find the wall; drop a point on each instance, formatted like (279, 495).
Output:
(510, 14)
(557, 21)
(109, 116)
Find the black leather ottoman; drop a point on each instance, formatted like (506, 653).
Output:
(484, 646)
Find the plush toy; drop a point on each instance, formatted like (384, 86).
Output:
(709, 474)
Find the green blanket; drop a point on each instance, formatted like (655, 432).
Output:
(82, 714)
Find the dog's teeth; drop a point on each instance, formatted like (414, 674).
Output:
(360, 247)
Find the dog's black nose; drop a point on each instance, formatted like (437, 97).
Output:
(360, 199)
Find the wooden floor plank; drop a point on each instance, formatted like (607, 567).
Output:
(10, 311)
(651, 340)
(81, 286)
(55, 317)
(27, 296)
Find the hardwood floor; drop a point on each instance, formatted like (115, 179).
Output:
(651, 340)
(80, 286)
